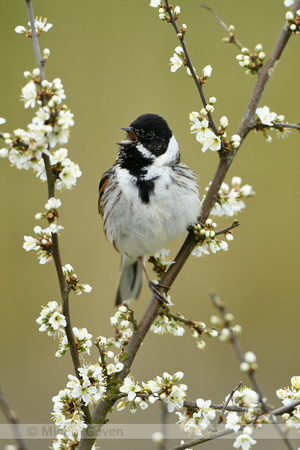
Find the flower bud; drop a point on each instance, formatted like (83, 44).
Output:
(244, 367)
(209, 108)
(201, 344)
(167, 377)
(250, 357)
(224, 122)
(206, 72)
(36, 72)
(27, 75)
(245, 51)
(158, 437)
(296, 382)
(236, 181)
(289, 16)
(178, 376)
(229, 317)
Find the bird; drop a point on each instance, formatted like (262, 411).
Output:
(146, 199)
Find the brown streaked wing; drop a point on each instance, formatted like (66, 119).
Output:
(102, 186)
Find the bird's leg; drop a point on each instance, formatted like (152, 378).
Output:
(153, 286)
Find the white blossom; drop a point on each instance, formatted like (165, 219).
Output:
(91, 385)
(176, 397)
(204, 134)
(233, 421)
(245, 396)
(67, 413)
(163, 325)
(231, 201)
(244, 440)
(20, 29)
(52, 203)
(175, 62)
(289, 395)
(41, 24)
(155, 3)
(198, 421)
(57, 320)
(42, 244)
(209, 245)
(83, 340)
(29, 94)
(114, 368)
(266, 117)
(130, 388)
(51, 319)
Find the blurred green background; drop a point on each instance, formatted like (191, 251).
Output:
(113, 59)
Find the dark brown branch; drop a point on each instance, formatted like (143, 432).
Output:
(104, 405)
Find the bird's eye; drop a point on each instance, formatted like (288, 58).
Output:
(148, 136)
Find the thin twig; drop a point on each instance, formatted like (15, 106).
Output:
(208, 437)
(191, 67)
(222, 308)
(228, 400)
(277, 125)
(36, 46)
(13, 420)
(232, 38)
(64, 289)
(234, 224)
(280, 125)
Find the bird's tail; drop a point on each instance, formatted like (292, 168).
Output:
(130, 280)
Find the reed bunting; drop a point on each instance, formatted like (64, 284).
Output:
(146, 199)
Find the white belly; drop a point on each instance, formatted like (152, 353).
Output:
(136, 228)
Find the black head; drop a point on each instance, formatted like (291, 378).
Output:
(150, 130)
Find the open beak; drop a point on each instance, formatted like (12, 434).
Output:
(131, 137)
